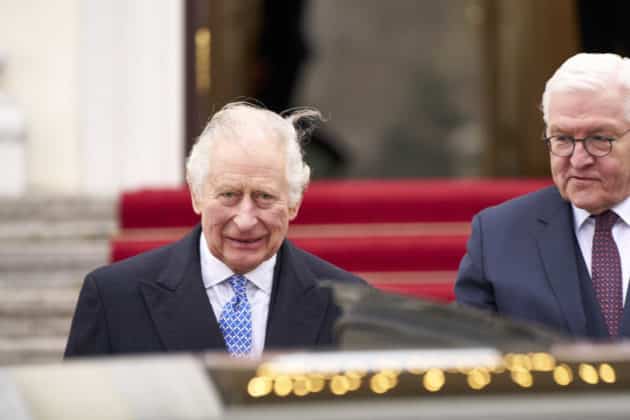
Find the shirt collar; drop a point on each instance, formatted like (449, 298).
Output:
(581, 216)
(623, 210)
(214, 271)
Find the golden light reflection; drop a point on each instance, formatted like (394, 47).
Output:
(522, 377)
(588, 373)
(316, 382)
(283, 385)
(433, 380)
(379, 383)
(478, 378)
(357, 373)
(392, 377)
(508, 360)
(339, 385)
(498, 369)
(563, 375)
(607, 373)
(354, 379)
(543, 362)
(301, 385)
(259, 386)
(517, 361)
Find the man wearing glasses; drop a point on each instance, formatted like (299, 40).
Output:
(560, 256)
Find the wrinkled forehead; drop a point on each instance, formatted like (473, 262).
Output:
(251, 156)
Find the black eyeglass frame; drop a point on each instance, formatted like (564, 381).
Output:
(585, 142)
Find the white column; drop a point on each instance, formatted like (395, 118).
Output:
(131, 96)
(12, 159)
(39, 38)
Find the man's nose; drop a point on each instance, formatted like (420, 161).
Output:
(580, 156)
(246, 218)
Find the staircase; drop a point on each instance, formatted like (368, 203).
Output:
(47, 245)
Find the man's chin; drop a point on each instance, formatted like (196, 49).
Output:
(243, 260)
(586, 201)
(242, 266)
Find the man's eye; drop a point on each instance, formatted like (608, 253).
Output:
(264, 197)
(228, 195)
(563, 139)
(598, 138)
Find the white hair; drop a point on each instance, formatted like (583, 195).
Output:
(242, 121)
(591, 73)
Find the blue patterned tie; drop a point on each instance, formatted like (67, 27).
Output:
(236, 319)
(606, 272)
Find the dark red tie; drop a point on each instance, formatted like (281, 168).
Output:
(606, 271)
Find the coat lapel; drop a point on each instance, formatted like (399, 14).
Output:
(178, 302)
(298, 305)
(556, 245)
(624, 328)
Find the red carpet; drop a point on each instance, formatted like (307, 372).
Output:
(354, 201)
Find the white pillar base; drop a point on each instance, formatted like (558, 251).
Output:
(13, 179)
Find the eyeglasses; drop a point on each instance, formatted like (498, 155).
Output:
(595, 145)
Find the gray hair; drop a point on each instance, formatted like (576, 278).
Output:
(237, 121)
(591, 73)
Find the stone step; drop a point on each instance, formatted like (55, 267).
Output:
(31, 350)
(54, 217)
(34, 303)
(66, 254)
(57, 207)
(37, 278)
(25, 327)
(34, 323)
(38, 229)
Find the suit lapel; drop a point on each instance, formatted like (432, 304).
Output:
(624, 329)
(178, 302)
(555, 239)
(298, 305)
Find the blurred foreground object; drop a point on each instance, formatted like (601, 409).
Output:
(373, 319)
(571, 382)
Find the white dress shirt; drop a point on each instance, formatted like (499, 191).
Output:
(585, 230)
(215, 273)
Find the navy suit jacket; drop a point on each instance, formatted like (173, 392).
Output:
(523, 261)
(156, 301)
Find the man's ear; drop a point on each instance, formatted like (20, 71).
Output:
(196, 204)
(293, 211)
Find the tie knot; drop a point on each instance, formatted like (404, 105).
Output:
(238, 284)
(606, 220)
